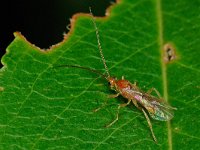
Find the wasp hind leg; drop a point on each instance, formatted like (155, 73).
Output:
(150, 126)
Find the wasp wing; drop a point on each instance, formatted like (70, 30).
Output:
(159, 110)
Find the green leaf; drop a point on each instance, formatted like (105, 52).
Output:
(42, 107)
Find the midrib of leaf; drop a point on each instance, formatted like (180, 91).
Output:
(163, 65)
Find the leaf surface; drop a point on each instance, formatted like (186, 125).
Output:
(43, 107)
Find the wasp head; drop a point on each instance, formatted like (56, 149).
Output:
(112, 82)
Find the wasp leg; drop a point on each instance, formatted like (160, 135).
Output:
(105, 103)
(102, 106)
(135, 86)
(147, 118)
(149, 123)
(114, 95)
(136, 105)
(117, 116)
(156, 91)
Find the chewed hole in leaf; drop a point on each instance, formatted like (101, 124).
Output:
(169, 53)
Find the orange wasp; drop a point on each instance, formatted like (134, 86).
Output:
(156, 107)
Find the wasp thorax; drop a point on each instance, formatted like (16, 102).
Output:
(123, 84)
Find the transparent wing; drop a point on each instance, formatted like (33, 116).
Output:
(160, 110)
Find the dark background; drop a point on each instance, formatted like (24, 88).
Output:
(42, 22)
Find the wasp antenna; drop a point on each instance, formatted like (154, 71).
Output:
(84, 68)
(99, 43)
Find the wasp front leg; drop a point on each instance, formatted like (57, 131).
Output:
(114, 95)
(117, 116)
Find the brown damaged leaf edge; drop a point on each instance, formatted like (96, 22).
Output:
(66, 36)
(169, 53)
(71, 26)
(18, 34)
